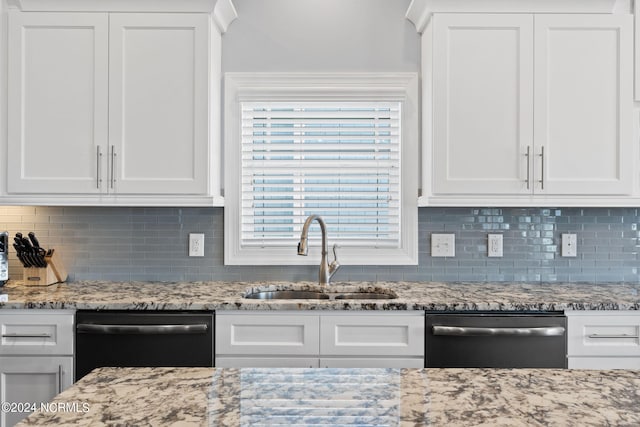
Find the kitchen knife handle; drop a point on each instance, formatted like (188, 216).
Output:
(113, 162)
(528, 155)
(34, 240)
(542, 168)
(98, 163)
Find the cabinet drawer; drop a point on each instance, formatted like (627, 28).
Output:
(267, 334)
(373, 362)
(604, 362)
(603, 334)
(267, 362)
(372, 335)
(31, 332)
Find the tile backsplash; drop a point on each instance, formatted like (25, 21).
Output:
(122, 243)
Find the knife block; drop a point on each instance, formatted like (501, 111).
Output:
(55, 272)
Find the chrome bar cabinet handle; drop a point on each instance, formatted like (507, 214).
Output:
(608, 336)
(98, 163)
(113, 161)
(26, 335)
(459, 331)
(542, 168)
(528, 180)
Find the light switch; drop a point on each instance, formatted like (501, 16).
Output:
(443, 245)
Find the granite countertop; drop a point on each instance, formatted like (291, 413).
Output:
(392, 397)
(437, 296)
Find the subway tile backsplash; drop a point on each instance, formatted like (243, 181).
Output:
(122, 243)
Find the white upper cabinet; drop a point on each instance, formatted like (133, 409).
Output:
(483, 102)
(58, 91)
(114, 103)
(583, 104)
(528, 109)
(158, 95)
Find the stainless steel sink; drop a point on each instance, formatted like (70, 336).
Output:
(320, 295)
(287, 295)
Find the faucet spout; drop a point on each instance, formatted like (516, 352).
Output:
(326, 269)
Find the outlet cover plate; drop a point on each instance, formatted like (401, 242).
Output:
(494, 245)
(443, 245)
(196, 244)
(569, 245)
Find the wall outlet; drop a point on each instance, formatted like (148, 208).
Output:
(196, 244)
(494, 245)
(569, 245)
(443, 245)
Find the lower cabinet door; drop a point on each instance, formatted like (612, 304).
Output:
(266, 362)
(29, 381)
(362, 362)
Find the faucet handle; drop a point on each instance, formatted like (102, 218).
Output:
(334, 265)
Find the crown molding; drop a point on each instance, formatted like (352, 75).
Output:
(420, 11)
(222, 9)
(224, 13)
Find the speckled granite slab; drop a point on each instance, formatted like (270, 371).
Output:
(410, 296)
(429, 397)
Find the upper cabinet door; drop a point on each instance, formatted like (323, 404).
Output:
(482, 103)
(57, 99)
(584, 104)
(158, 103)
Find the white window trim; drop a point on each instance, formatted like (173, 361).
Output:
(245, 87)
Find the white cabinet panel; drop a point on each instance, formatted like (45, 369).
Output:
(309, 339)
(30, 333)
(266, 334)
(528, 109)
(603, 339)
(158, 103)
(33, 380)
(483, 102)
(604, 362)
(58, 89)
(372, 335)
(605, 333)
(103, 105)
(637, 46)
(584, 104)
(267, 362)
(378, 362)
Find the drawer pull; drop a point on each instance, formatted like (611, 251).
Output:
(605, 336)
(26, 335)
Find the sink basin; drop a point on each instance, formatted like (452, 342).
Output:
(320, 295)
(287, 295)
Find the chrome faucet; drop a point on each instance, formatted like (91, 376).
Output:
(326, 270)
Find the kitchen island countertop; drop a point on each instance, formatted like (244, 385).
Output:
(437, 296)
(416, 397)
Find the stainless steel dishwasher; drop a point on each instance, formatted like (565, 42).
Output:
(143, 339)
(496, 340)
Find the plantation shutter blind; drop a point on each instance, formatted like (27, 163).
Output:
(339, 160)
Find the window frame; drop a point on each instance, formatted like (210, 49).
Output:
(299, 87)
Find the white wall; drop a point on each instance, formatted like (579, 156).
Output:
(321, 35)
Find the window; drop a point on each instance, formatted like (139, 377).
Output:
(340, 146)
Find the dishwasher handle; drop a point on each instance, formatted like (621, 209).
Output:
(462, 331)
(91, 328)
